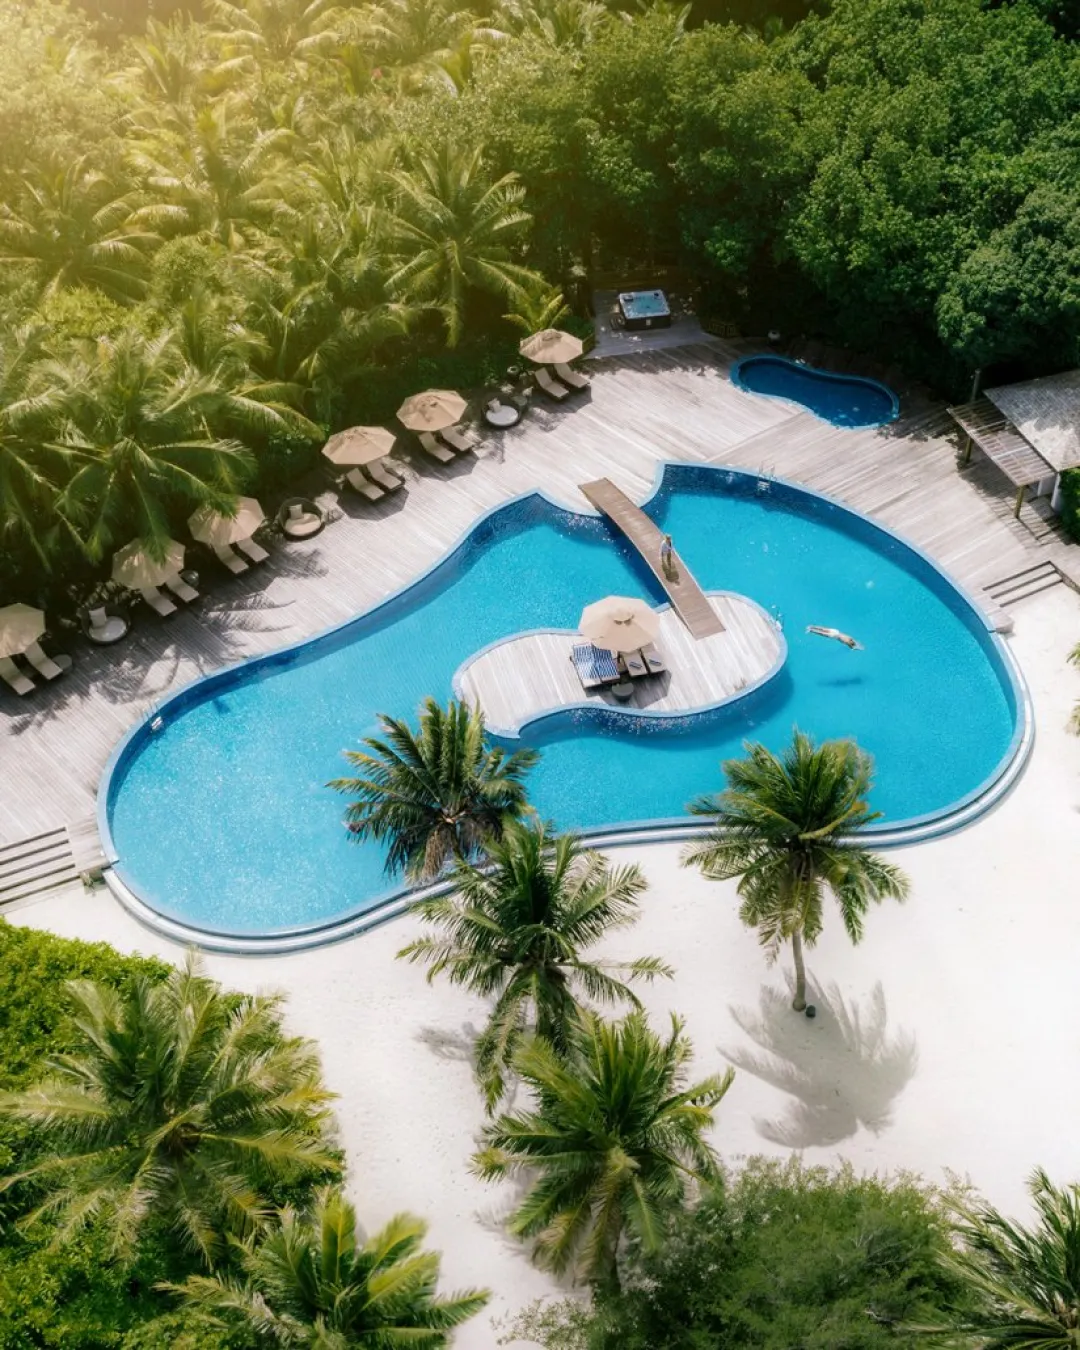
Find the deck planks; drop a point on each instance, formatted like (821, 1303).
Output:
(667, 404)
(686, 596)
(517, 680)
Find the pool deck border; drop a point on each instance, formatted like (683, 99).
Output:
(964, 811)
(835, 375)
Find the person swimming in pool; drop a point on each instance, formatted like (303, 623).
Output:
(845, 638)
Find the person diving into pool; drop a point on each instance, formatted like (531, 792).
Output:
(845, 638)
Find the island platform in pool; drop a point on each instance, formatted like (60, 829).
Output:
(843, 400)
(217, 814)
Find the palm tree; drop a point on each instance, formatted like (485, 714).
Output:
(279, 31)
(538, 309)
(401, 33)
(1028, 1278)
(134, 418)
(436, 794)
(784, 827)
(614, 1142)
(517, 929)
(76, 227)
(312, 1281)
(180, 1105)
(449, 234)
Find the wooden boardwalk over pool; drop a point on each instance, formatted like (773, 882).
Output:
(671, 404)
(517, 680)
(686, 596)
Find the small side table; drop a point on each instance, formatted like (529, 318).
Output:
(498, 414)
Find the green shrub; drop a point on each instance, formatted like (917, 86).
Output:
(1070, 503)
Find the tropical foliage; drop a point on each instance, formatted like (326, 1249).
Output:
(778, 1255)
(177, 1107)
(516, 930)
(613, 1145)
(313, 1281)
(359, 188)
(436, 795)
(1028, 1276)
(786, 826)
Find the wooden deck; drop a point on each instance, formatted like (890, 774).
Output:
(519, 679)
(671, 404)
(686, 596)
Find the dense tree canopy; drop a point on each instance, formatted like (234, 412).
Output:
(345, 193)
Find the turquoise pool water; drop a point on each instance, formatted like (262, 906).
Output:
(843, 400)
(222, 818)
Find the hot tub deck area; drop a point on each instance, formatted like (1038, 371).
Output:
(523, 677)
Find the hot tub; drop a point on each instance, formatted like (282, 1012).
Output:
(644, 309)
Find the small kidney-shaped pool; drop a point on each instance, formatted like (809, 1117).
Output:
(843, 400)
(217, 812)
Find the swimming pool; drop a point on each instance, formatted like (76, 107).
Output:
(843, 400)
(221, 818)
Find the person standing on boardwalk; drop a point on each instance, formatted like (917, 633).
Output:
(667, 555)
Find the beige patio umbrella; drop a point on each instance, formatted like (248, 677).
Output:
(551, 346)
(619, 623)
(19, 626)
(359, 445)
(135, 568)
(433, 410)
(211, 527)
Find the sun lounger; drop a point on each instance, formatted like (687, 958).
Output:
(460, 440)
(225, 555)
(12, 675)
(43, 662)
(434, 449)
(101, 626)
(300, 523)
(570, 376)
(160, 604)
(635, 665)
(595, 667)
(653, 659)
(250, 549)
(550, 385)
(359, 483)
(181, 589)
(381, 471)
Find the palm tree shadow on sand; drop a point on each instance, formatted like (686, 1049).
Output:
(842, 1069)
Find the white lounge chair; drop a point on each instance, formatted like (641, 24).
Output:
(634, 665)
(550, 385)
(460, 440)
(12, 675)
(359, 483)
(653, 659)
(105, 627)
(228, 558)
(381, 471)
(250, 549)
(181, 589)
(43, 663)
(301, 523)
(160, 604)
(434, 449)
(571, 377)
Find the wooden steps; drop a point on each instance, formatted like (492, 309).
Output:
(687, 598)
(45, 861)
(1021, 585)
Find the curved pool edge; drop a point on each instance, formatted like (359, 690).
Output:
(157, 915)
(735, 376)
(616, 712)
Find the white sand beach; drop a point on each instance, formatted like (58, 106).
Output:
(947, 1040)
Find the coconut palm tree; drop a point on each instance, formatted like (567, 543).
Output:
(277, 31)
(180, 1105)
(614, 1143)
(517, 929)
(436, 794)
(74, 226)
(786, 827)
(403, 33)
(538, 309)
(313, 1281)
(1029, 1278)
(450, 233)
(134, 419)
